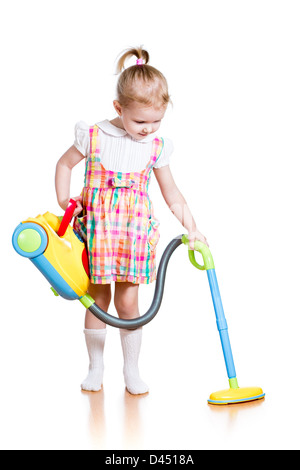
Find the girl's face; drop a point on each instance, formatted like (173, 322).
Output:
(139, 120)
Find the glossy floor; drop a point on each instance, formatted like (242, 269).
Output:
(42, 406)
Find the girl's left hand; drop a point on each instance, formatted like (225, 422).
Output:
(196, 236)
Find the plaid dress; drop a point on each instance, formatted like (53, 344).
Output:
(117, 223)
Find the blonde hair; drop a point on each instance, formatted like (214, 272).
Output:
(141, 82)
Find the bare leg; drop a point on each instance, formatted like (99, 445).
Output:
(101, 293)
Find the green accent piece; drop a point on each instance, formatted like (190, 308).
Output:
(87, 300)
(233, 383)
(29, 240)
(205, 252)
(54, 291)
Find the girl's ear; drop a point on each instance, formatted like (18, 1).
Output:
(118, 107)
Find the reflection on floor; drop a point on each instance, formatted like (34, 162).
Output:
(132, 429)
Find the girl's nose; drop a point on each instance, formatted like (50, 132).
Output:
(147, 130)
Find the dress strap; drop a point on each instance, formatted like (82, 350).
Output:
(93, 157)
(94, 148)
(157, 147)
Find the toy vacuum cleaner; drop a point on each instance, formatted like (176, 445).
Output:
(59, 253)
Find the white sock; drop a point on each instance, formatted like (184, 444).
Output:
(95, 340)
(131, 344)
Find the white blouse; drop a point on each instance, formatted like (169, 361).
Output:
(118, 150)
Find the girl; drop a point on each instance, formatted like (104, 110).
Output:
(114, 213)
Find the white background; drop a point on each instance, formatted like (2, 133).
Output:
(233, 72)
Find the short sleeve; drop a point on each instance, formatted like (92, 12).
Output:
(82, 138)
(166, 152)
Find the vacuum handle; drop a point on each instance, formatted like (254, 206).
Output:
(205, 252)
(67, 218)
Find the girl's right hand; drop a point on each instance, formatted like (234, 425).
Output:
(79, 206)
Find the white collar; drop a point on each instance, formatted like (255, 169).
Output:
(115, 131)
